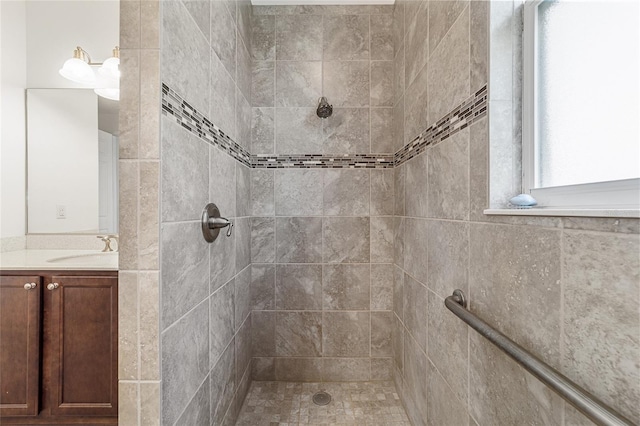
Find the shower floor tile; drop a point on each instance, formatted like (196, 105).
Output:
(352, 403)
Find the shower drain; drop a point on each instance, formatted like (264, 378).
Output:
(321, 398)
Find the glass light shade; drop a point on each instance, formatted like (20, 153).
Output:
(79, 71)
(107, 85)
(111, 68)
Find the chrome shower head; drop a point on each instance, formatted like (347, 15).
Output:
(324, 109)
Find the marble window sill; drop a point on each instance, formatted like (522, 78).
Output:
(540, 211)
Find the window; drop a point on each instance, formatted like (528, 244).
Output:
(581, 138)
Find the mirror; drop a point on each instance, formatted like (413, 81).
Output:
(59, 140)
(72, 162)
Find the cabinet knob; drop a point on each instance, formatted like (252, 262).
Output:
(29, 286)
(52, 286)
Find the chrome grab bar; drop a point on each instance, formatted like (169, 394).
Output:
(585, 402)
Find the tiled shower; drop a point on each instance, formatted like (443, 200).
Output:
(350, 231)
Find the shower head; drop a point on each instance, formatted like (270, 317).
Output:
(324, 109)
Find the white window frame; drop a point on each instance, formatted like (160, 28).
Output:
(612, 196)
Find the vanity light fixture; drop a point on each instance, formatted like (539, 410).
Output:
(105, 81)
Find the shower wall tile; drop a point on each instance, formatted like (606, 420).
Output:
(298, 84)
(398, 75)
(198, 410)
(382, 369)
(346, 192)
(298, 38)
(263, 239)
(263, 369)
(262, 192)
(415, 310)
(184, 181)
(398, 125)
(263, 337)
(415, 373)
(298, 192)
(447, 257)
(381, 287)
(243, 69)
(243, 190)
(381, 323)
(382, 192)
(398, 296)
(223, 36)
(299, 287)
(263, 131)
(299, 240)
(222, 103)
(243, 351)
(346, 131)
(382, 83)
(448, 82)
(399, 174)
(242, 297)
(346, 37)
(263, 287)
(222, 259)
(185, 272)
(243, 120)
(222, 384)
(346, 287)
(415, 248)
(382, 37)
(298, 369)
(346, 83)
(346, 334)
(382, 130)
(263, 41)
(299, 334)
(346, 369)
(479, 47)
(416, 105)
(397, 344)
(243, 20)
(222, 306)
(149, 204)
(242, 229)
(298, 131)
(185, 361)
(442, 405)
(417, 185)
(447, 349)
(417, 41)
(184, 47)
(595, 264)
(382, 239)
(199, 11)
(346, 240)
(263, 87)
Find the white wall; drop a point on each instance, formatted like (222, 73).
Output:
(55, 28)
(63, 159)
(12, 121)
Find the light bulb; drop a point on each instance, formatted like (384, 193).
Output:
(79, 71)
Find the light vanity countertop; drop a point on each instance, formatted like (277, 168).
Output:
(59, 260)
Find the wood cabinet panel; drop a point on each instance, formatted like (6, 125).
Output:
(19, 345)
(84, 349)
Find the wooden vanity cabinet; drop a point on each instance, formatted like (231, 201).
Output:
(59, 348)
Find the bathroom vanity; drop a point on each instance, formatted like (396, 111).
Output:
(59, 328)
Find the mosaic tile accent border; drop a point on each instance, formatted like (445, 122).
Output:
(308, 161)
(192, 120)
(468, 112)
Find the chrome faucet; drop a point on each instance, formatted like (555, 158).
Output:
(107, 242)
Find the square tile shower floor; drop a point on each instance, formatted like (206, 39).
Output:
(352, 403)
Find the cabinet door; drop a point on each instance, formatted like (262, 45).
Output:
(19, 345)
(84, 345)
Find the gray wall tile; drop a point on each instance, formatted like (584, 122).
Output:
(223, 36)
(346, 369)
(346, 37)
(184, 270)
(346, 192)
(243, 190)
(381, 287)
(242, 297)
(346, 333)
(221, 320)
(346, 131)
(346, 83)
(263, 41)
(299, 369)
(262, 195)
(382, 239)
(299, 334)
(298, 84)
(299, 240)
(382, 83)
(242, 230)
(263, 287)
(263, 136)
(185, 361)
(442, 405)
(346, 287)
(299, 287)
(298, 192)
(263, 333)
(382, 192)
(298, 131)
(222, 182)
(263, 87)
(417, 186)
(382, 131)
(299, 38)
(447, 257)
(223, 384)
(381, 323)
(263, 239)
(382, 37)
(185, 177)
(415, 310)
(346, 239)
(222, 259)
